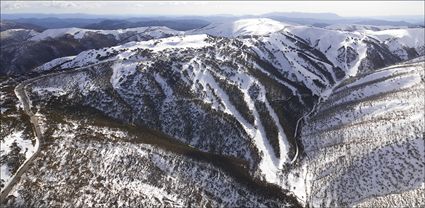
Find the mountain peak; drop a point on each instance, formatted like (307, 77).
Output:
(242, 27)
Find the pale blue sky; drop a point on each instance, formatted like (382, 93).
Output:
(342, 8)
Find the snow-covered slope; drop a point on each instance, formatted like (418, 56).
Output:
(344, 49)
(320, 58)
(16, 138)
(87, 164)
(244, 90)
(345, 52)
(399, 41)
(251, 79)
(358, 27)
(365, 49)
(21, 34)
(79, 33)
(186, 79)
(243, 27)
(299, 61)
(23, 50)
(365, 144)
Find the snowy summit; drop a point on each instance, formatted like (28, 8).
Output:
(242, 27)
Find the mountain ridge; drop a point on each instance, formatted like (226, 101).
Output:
(268, 99)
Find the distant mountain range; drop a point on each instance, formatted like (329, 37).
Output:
(90, 21)
(181, 24)
(7, 25)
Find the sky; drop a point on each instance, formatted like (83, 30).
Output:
(341, 8)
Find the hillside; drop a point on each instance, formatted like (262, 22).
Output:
(317, 116)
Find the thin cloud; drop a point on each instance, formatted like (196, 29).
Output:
(15, 5)
(342, 8)
(61, 4)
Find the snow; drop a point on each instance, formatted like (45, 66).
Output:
(5, 174)
(419, 59)
(321, 38)
(151, 192)
(189, 41)
(53, 63)
(283, 140)
(256, 26)
(374, 145)
(327, 41)
(297, 184)
(362, 55)
(25, 144)
(11, 32)
(392, 84)
(130, 173)
(398, 39)
(269, 164)
(377, 75)
(79, 33)
(411, 37)
(358, 27)
(26, 148)
(54, 33)
(330, 42)
(278, 49)
(164, 86)
(288, 61)
(87, 58)
(56, 91)
(120, 71)
(125, 51)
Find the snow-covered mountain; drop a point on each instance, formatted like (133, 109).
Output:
(197, 82)
(284, 100)
(120, 34)
(23, 49)
(365, 143)
(359, 27)
(242, 27)
(402, 41)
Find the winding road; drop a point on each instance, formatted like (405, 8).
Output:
(296, 130)
(23, 98)
(21, 93)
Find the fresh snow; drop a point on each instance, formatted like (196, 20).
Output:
(410, 37)
(26, 145)
(380, 74)
(189, 41)
(164, 86)
(79, 33)
(325, 40)
(56, 91)
(26, 149)
(329, 41)
(127, 50)
(269, 164)
(53, 63)
(397, 39)
(392, 84)
(358, 27)
(120, 71)
(257, 26)
(11, 32)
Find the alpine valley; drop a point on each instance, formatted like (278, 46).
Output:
(250, 112)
